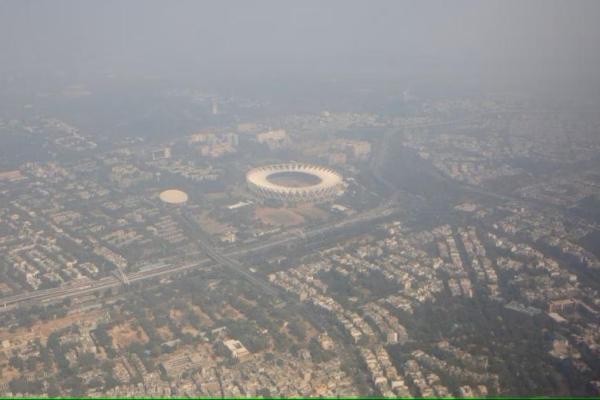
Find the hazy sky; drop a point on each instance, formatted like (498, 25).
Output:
(542, 41)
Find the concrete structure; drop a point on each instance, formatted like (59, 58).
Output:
(275, 139)
(235, 349)
(295, 183)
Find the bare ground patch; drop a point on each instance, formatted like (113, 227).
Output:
(278, 216)
(125, 334)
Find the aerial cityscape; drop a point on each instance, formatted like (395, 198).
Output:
(173, 226)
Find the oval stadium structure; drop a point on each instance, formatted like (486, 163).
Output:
(295, 183)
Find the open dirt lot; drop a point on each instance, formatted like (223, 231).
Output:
(278, 216)
(124, 334)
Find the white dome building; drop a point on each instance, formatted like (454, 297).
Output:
(173, 196)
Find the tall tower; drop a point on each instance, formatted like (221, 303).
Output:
(215, 107)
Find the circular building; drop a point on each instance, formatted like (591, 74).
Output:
(295, 183)
(173, 196)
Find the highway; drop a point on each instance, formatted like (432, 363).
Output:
(220, 258)
(208, 256)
